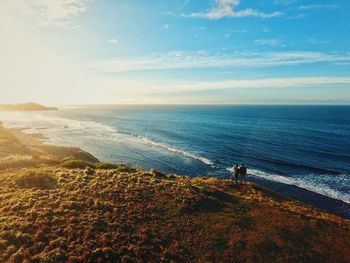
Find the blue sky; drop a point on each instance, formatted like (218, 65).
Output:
(178, 51)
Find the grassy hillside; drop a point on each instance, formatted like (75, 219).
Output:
(30, 106)
(55, 208)
(20, 150)
(57, 214)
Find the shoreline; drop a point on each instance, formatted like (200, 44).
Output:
(78, 211)
(307, 197)
(18, 143)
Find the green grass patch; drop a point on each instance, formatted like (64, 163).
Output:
(77, 164)
(36, 179)
(107, 166)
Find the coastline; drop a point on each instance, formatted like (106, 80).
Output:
(307, 197)
(322, 202)
(16, 143)
(80, 211)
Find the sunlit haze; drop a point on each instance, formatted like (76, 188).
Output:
(180, 51)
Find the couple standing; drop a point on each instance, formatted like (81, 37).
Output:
(239, 173)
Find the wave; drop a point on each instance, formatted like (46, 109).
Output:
(176, 151)
(55, 128)
(312, 186)
(302, 166)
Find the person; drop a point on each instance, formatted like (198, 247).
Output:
(243, 173)
(236, 173)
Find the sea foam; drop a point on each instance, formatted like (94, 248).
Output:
(305, 183)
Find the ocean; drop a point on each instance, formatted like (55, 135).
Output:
(307, 147)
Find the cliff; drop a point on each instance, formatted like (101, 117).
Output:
(69, 210)
(25, 107)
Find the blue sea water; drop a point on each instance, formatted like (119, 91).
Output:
(304, 146)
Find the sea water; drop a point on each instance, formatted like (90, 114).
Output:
(305, 146)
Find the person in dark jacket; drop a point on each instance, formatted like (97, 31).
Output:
(243, 173)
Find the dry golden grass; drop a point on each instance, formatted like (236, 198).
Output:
(125, 215)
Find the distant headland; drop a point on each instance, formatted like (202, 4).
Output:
(30, 106)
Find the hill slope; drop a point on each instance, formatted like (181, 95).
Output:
(30, 106)
(56, 209)
(125, 215)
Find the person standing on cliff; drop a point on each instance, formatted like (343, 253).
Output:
(243, 173)
(236, 173)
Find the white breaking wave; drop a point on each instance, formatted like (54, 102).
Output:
(305, 183)
(177, 151)
(55, 128)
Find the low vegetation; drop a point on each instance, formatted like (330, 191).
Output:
(32, 178)
(30, 106)
(119, 214)
(55, 208)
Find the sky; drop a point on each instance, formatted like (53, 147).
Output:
(62, 52)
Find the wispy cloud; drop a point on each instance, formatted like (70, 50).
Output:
(318, 6)
(200, 59)
(227, 8)
(268, 42)
(313, 41)
(58, 13)
(113, 41)
(270, 83)
(283, 2)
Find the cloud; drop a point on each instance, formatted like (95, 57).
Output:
(283, 2)
(268, 42)
(313, 41)
(317, 6)
(195, 60)
(265, 83)
(226, 8)
(57, 13)
(113, 41)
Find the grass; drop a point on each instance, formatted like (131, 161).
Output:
(55, 208)
(77, 164)
(36, 179)
(120, 214)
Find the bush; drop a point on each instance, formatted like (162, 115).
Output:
(106, 166)
(126, 169)
(36, 178)
(77, 164)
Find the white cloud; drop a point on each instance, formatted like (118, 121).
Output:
(113, 41)
(318, 6)
(192, 60)
(313, 41)
(265, 83)
(283, 2)
(226, 8)
(59, 13)
(268, 42)
(166, 26)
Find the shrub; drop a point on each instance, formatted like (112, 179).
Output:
(69, 158)
(36, 178)
(158, 174)
(106, 166)
(126, 169)
(77, 164)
